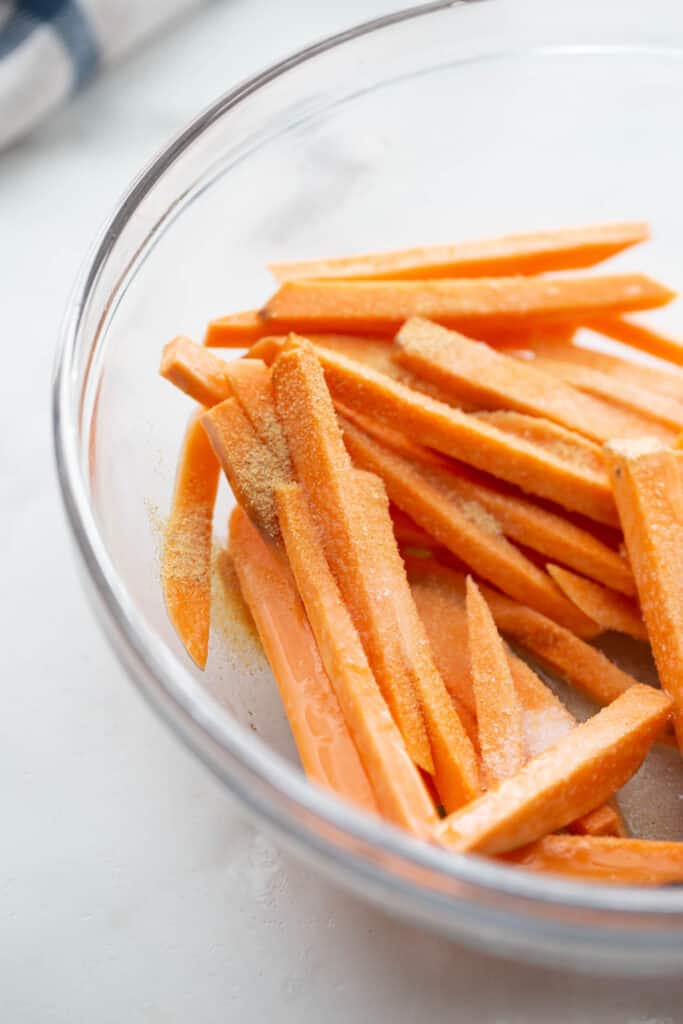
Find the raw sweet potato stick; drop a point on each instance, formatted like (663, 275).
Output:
(338, 505)
(239, 330)
(647, 404)
(649, 493)
(604, 859)
(396, 782)
(610, 610)
(470, 438)
(325, 747)
(638, 336)
(425, 493)
(551, 438)
(518, 518)
(545, 719)
(569, 779)
(476, 373)
(377, 351)
(567, 249)
(380, 307)
(198, 373)
(361, 550)
(499, 712)
(662, 379)
(186, 556)
(586, 668)
(252, 468)
(210, 379)
(567, 655)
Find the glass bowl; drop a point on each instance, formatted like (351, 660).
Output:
(441, 122)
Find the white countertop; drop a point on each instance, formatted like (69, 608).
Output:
(129, 888)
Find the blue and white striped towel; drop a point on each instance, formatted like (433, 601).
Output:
(50, 48)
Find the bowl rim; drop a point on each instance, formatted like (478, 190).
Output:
(262, 780)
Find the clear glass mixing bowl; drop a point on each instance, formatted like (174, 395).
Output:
(447, 121)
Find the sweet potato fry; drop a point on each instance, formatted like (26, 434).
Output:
(586, 668)
(663, 380)
(471, 439)
(609, 609)
(604, 859)
(442, 610)
(251, 383)
(373, 352)
(186, 556)
(338, 505)
(564, 782)
(396, 782)
(567, 249)
(646, 339)
(239, 330)
(380, 307)
(327, 752)
(566, 445)
(426, 493)
(456, 771)
(253, 469)
(473, 372)
(499, 712)
(649, 493)
(519, 518)
(198, 373)
(358, 541)
(545, 719)
(649, 405)
(581, 665)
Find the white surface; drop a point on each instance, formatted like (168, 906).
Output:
(129, 889)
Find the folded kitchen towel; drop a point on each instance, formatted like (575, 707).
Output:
(50, 48)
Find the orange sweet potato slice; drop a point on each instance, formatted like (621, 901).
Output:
(649, 405)
(195, 371)
(545, 719)
(638, 336)
(252, 468)
(357, 537)
(479, 374)
(564, 782)
(463, 526)
(518, 518)
(603, 859)
(581, 665)
(499, 711)
(397, 784)
(551, 438)
(473, 440)
(239, 330)
(327, 752)
(609, 609)
(564, 249)
(338, 505)
(380, 307)
(662, 380)
(649, 493)
(186, 556)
